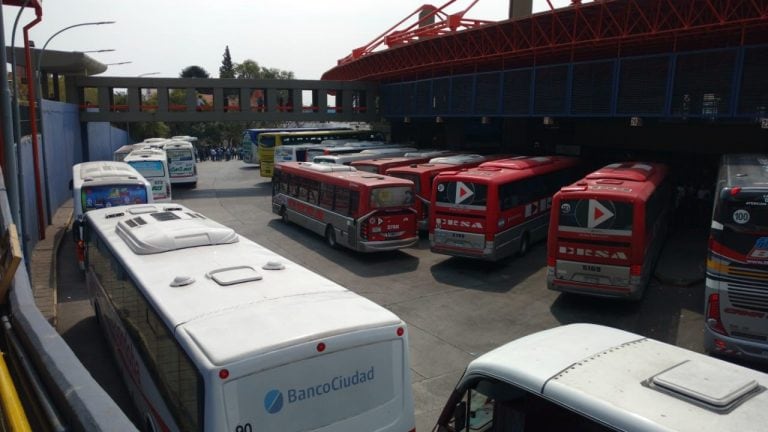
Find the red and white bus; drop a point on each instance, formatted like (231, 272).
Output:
(498, 208)
(422, 175)
(356, 209)
(607, 230)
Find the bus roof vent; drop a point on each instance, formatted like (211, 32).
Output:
(712, 387)
(167, 231)
(630, 171)
(234, 275)
(326, 167)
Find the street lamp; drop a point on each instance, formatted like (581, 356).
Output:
(33, 118)
(148, 73)
(97, 51)
(118, 63)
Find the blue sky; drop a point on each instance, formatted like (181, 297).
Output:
(303, 36)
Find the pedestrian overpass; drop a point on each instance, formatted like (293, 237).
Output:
(116, 99)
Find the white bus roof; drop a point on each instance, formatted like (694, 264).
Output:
(629, 381)
(234, 284)
(154, 140)
(104, 171)
(425, 153)
(146, 153)
(346, 158)
(458, 159)
(177, 144)
(191, 139)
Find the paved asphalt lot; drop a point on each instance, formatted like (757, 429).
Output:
(456, 309)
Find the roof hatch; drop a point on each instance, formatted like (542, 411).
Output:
(631, 171)
(713, 387)
(162, 231)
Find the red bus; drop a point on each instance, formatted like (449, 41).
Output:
(356, 209)
(498, 208)
(608, 230)
(422, 175)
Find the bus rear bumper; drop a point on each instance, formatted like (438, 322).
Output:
(388, 245)
(595, 290)
(728, 346)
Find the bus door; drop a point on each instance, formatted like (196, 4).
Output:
(593, 244)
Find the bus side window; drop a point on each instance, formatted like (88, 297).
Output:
(341, 204)
(326, 196)
(354, 202)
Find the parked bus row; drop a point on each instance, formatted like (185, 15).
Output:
(163, 301)
(269, 141)
(250, 139)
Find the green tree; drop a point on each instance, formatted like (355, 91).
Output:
(227, 69)
(194, 72)
(249, 69)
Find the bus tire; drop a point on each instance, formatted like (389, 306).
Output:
(284, 214)
(330, 236)
(524, 245)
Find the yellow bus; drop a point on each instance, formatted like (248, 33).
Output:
(269, 141)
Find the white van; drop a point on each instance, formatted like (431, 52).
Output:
(182, 162)
(348, 158)
(103, 184)
(585, 377)
(153, 165)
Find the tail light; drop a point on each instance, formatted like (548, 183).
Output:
(551, 261)
(364, 230)
(635, 270)
(713, 314)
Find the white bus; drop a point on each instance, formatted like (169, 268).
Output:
(213, 332)
(585, 377)
(153, 165)
(182, 164)
(120, 154)
(350, 147)
(348, 158)
(102, 184)
(294, 153)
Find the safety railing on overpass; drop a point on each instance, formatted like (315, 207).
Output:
(108, 99)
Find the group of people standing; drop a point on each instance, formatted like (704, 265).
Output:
(220, 154)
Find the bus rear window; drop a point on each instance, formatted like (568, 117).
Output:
(179, 154)
(412, 177)
(463, 194)
(391, 197)
(745, 215)
(266, 141)
(96, 197)
(596, 215)
(149, 168)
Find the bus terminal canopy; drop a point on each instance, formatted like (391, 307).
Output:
(62, 62)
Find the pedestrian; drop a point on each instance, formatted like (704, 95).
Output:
(213, 154)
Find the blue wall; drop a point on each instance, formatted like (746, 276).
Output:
(63, 145)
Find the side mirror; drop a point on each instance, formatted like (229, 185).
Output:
(460, 416)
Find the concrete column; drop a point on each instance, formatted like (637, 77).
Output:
(520, 8)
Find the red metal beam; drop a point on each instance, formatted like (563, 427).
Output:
(603, 26)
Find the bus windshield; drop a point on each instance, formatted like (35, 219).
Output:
(391, 197)
(266, 141)
(149, 168)
(462, 194)
(596, 216)
(95, 197)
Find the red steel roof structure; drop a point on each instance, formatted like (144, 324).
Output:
(597, 30)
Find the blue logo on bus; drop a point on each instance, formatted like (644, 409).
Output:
(273, 401)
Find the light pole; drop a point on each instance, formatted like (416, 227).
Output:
(148, 73)
(33, 122)
(118, 63)
(97, 51)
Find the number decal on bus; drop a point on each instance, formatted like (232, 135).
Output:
(244, 428)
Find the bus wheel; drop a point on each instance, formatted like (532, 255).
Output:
(524, 244)
(330, 236)
(284, 214)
